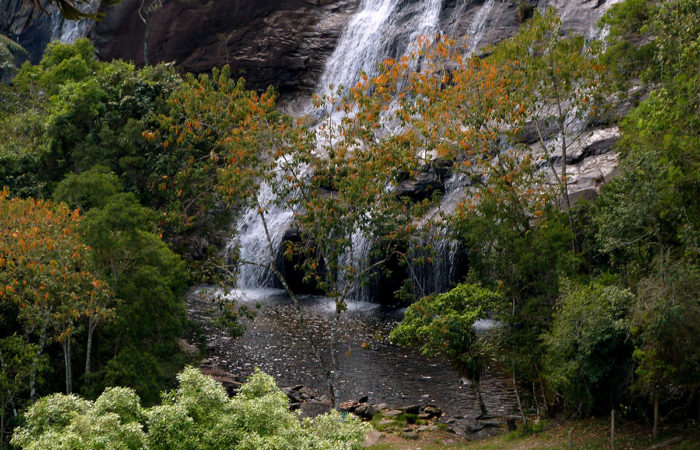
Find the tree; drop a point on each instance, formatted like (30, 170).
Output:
(587, 352)
(443, 325)
(145, 274)
(556, 78)
(8, 50)
(664, 324)
(19, 361)
(45, 270)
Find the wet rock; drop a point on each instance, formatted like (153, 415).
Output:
(307, 393)
(284, 43)
(188, 348)
(411, 435)
(365, 411)
(299, 393)
(423, 186)
(431, 411)
(485, 432)
(347, 406)
(226, 379)
(313, 408)
(410, 409)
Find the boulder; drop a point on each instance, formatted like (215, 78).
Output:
(313, 408)
(410, 409)
(365, 411)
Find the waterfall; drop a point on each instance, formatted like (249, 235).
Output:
(438, 256)
(251, 241)
(68, 31)
(477, 28)
(380, 29)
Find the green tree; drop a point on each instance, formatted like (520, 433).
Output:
(8, 50)
(587, 351)
(19, 361)
(665, 327)
(88, 189)
(443, 325)
(556, 77)
(145, 274)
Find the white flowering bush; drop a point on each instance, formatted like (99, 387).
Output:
(69, 422)
(197, 415)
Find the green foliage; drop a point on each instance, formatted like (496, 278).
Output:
(88, 189)
(132, 368)
(197, 415)
(665, 325)
(8, 50)
(67, 421)
(443, 325)
(587, 354)
(146, 276)
(19, 361)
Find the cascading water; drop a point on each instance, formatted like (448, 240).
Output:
(380, 29)
(68, 31)
(478, 27)
(252, 244)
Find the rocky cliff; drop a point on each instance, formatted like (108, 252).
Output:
(284, 43)
(270, 42)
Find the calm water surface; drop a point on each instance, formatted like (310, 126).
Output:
(370, 364)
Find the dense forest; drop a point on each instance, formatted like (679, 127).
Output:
(119, 183)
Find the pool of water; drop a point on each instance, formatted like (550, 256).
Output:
(369, 364)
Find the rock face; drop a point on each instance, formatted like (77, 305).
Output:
(284, 43)
(270, 42)
(23, 22)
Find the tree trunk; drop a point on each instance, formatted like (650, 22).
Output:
(517, 397)
(92, 324)
(35, 364)
(479, 398)
(65, 344)
(655, 431)
(297, 308)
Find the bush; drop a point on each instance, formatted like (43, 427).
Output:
(197, 415)
(588, 355)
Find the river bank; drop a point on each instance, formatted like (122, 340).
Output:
(591, 433)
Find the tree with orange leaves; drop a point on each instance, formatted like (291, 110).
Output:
(44, 271)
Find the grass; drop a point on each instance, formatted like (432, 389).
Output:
(587, 434)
